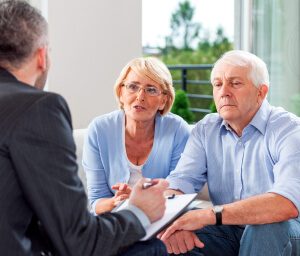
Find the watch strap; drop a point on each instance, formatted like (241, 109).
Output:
(217, 209)
(218, 218)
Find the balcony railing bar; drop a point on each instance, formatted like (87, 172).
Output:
(193, 82)
(199, 96)
(184, 82)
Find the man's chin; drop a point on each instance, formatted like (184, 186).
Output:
(226, 114)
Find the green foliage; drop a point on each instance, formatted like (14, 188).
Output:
(181, 106)
(182, 26)
(212, 107)
(205, 52)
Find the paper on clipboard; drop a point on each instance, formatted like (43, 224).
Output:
(174, 208)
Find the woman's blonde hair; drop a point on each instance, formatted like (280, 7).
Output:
(155, 70)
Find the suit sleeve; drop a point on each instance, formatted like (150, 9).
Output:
(43, 152)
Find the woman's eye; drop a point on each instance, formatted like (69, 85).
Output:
(152, 90)
(132, 86)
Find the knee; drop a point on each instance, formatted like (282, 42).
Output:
(268, 239)
(266, 233)
(266, 230)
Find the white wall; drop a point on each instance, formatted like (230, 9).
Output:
(90, 43)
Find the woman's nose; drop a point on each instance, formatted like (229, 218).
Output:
(140, 94)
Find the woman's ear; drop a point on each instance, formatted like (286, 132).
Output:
(163, 102)
(121, 95)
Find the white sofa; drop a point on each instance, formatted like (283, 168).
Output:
(79, 138)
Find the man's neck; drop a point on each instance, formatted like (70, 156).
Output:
(24, 74)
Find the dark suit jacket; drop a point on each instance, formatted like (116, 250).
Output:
(42, 200)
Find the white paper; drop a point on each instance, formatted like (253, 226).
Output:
(174, 207)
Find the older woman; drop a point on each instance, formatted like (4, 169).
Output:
(142, 139)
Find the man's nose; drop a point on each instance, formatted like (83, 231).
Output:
(225, 89)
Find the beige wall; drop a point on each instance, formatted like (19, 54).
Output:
(90, 43)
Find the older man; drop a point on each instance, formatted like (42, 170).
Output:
(249, 154)
(42, 201)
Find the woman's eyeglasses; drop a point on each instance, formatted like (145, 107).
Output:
(149, 90)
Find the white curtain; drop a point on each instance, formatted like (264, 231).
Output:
(275, 37)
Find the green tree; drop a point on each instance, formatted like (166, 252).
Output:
(206, 52)
(183, 28)
(181, 106)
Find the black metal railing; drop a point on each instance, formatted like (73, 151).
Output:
(195, 95)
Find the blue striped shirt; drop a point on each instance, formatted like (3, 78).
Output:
(266, 158)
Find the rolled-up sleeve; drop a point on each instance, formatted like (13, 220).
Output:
(287, 169)
(189, 175)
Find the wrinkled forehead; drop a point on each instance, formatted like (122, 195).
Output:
(223, 70)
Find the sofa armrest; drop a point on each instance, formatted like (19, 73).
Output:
(78, 135)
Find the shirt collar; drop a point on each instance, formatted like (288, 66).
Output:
(259, 121)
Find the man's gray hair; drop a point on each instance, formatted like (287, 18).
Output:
(258, 72)
(22, 31)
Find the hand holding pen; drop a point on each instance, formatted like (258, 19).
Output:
(148, 195)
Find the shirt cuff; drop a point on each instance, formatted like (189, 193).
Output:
(185, 187)
(93, 206)
(143, 218)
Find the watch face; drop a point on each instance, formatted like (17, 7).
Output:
(218, 208)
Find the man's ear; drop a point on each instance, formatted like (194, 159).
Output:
(42, 55)
(263, 91)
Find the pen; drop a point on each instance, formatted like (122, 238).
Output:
(147, 184)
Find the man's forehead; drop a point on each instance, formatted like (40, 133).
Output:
(227, 71)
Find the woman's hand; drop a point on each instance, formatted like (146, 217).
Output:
(123, 191)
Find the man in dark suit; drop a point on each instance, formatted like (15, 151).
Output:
(42, 201)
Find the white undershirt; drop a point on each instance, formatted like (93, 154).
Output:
(135, 170)
(135, 173)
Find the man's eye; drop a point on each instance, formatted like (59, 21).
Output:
(236, 84)
(217, 84)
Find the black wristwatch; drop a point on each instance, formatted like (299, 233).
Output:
(218, 209)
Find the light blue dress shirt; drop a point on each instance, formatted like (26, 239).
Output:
(104, 155)
(266, 158)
